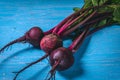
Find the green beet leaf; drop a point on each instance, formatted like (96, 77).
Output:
(116, 14)
(98, 2)
(76, 9)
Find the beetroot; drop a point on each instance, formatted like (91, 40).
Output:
(33, 36)
(64, 55)
(50, 42)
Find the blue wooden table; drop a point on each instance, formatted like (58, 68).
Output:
(97, 59)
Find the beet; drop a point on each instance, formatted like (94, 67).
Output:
(50, 42)
(60, 59)
(64, 55)
(33, 36)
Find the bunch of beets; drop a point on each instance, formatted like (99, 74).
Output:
(93, 16)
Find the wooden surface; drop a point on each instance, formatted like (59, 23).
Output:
(97, 59)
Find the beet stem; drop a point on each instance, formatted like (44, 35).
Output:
(49, 31)
(106, 15)
(66, 26)
(23, 38)
(79, 24)
(73, 14)
(79, 39)
(62, 23)
(17, 73)
(67, 18)
(67, 22)
(80, 42)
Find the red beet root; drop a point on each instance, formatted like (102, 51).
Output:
(60, 59)
(50, 42)
(63, 55)
(33, 36)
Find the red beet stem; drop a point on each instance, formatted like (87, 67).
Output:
(65, 24)
(62, 23)
(80, 42)
(106, 15)
(23, 38)
(75, 27)
(17, 73)
(72, 15)
(66, 19)
(79, 39)
(63, 28)
(79, 24)
(49, 31)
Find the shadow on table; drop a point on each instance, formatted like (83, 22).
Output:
(38, 74)
(76, 70)
(17, 53)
